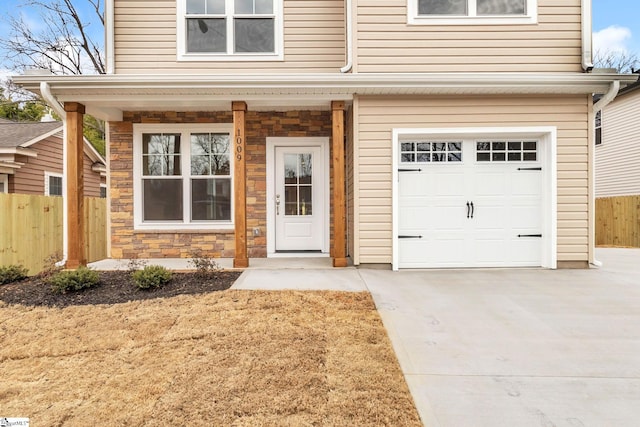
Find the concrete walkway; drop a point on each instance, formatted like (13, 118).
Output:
(518, 347)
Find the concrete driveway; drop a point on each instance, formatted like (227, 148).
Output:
(518, 347)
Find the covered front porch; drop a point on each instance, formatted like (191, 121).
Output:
(247, 228)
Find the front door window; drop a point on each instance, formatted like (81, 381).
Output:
(298, 184)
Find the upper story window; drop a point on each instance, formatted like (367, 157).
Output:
(229, 30)
(475, 12)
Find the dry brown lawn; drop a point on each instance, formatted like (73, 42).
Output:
(230, 358)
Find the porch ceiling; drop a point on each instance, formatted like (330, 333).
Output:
(106, 96)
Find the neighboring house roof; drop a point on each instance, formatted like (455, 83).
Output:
(17, 137)
(23, 134)
(631, 87)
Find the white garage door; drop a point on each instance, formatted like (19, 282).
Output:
(469, 203)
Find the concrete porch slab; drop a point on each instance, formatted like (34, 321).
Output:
(226, 263)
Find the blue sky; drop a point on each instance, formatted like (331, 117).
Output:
(616, 25)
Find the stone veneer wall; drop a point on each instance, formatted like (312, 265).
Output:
(128, 243)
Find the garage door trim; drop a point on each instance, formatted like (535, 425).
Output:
(547, 137)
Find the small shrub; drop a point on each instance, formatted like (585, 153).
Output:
(73, 280)
(205, 266)
(151, 276)
(12, 273)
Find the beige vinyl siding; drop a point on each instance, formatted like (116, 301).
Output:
(145, 40)
(386, 43)
(618, 157)
(29, 179)
(377, 116)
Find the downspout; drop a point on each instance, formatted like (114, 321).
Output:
(349, 65)
(109, 29)
(598, 106)
(607, 97)
(45, 91)
(587, 55)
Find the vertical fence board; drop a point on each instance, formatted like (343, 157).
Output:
(31, 230)
(95, 219)
(618, 221)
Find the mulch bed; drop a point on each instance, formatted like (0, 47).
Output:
(115, 287)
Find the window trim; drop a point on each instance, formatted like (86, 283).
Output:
(413, 18)
(186, 223)
(47, 176)
(181, 37)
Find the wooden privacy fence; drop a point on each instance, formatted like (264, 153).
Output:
(32, 231)
(618, 221)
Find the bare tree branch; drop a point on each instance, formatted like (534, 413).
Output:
(621, 61)
(62, 46)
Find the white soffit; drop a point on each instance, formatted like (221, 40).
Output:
(110, 93)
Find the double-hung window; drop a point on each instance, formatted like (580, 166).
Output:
(182, 177)
(437, 12)
(53, 184)
(598, 127)
(229, 29)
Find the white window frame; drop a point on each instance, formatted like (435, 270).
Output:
(185, 158)
(47, 175)
(4, 179)
(413, 18)
(278, 43)
(547, 137)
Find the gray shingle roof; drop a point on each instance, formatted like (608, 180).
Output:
(15, 134)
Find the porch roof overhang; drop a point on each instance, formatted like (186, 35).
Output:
(107, 96)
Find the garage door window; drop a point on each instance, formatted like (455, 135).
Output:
(506, 151)
(422, 151)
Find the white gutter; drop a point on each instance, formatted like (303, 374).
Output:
(109, 39)
(45, 91)
(598, 106)
(349, 65)
(587, 54)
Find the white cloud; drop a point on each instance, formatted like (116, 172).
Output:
(612, 39)
(4, 75)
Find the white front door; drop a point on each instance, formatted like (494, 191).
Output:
(299, 199)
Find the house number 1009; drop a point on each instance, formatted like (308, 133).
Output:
(238, 146)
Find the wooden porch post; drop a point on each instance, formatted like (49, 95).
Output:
(339, 217)
(239, 181)
(75, 185)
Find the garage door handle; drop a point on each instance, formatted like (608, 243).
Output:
(529, 235)
(468, 209)
(472, 209)
(409, 237)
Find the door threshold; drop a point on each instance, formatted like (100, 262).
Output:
(298, 254)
